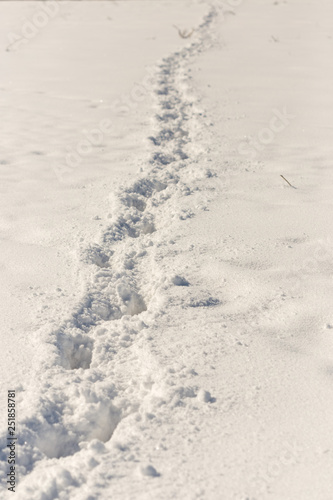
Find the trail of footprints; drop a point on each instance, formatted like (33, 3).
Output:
(91, 403)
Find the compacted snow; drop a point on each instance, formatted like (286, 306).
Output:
(166, 294)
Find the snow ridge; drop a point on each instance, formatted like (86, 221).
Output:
(83, 393)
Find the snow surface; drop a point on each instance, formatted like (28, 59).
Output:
(166, 295)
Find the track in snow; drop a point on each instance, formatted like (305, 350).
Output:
(82, 395)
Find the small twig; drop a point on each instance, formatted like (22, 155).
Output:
(183, 33)
(9, 47)
(231, 12)
(287, 181)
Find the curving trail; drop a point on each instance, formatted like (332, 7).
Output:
(99, 376)
(197, 363)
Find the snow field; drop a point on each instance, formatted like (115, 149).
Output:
(198, 361)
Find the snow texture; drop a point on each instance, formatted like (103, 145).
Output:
(194, 359)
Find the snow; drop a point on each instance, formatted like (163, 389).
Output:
(166, 295)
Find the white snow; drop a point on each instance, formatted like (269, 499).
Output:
(166, 294)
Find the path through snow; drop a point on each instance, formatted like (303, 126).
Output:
(198, 363)
(96, 374)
